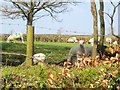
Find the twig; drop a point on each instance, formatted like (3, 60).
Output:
(19, 54)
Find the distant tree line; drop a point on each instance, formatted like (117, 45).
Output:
(55, 37)
(50, 37)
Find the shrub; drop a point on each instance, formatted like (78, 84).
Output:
(24, 77)
(51, 76)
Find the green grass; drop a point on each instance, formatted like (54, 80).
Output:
(55, 52)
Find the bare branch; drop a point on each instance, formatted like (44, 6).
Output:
(19, 54)
(112, 3)
(51, 14)
(107, 14)
(112, 17)
(39, 8)
(40, 17)
(29, 9)
(25, 4)
(57, 10)
(20, 9)
(118, 4)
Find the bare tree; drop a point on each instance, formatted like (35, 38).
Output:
(102, 23)
(112, 17)
(102, 26)
(30, 11)
(95, 27)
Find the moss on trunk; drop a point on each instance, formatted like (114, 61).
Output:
(30, 45)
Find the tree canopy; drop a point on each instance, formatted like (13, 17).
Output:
(28, 10)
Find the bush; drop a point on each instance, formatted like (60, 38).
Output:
(51, 76)
(24, 77)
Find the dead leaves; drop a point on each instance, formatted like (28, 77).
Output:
(112, 61)
(87, 61)
(66, 70)
(107, 63)
(105, 78)
(50, 79)
(59, 77)
(113, 74)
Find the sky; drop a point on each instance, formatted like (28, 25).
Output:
(78, 21)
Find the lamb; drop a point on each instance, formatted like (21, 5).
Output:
(39, 57)
(78, 52)
(13, 37)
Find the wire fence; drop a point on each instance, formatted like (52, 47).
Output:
(46, 30)
(15, 59)
(49, 29)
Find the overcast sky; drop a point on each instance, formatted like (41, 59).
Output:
(78, 21)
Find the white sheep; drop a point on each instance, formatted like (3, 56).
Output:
(39, 57)
(81, 41)
(72, 40)
(115, 43)
(13, 37)
(91, 41)
(109, 40)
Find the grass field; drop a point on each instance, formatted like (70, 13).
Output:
(55, 52)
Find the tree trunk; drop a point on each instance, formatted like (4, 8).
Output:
(119, 24)
(102, 27)
(95, 27)
(30, 45)
(30, 37)
(102, 24)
